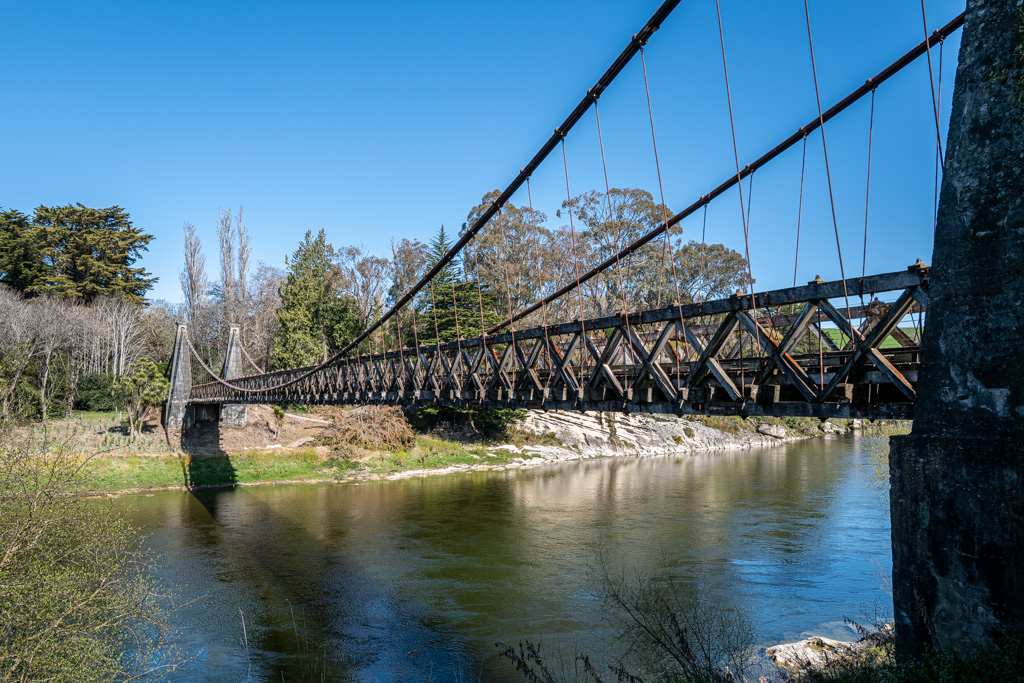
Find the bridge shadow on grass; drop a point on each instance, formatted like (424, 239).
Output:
(205, 463)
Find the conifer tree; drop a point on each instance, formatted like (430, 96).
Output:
(313, 318)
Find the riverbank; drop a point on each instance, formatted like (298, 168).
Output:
(223, 460)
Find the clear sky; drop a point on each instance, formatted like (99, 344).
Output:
(377, 119)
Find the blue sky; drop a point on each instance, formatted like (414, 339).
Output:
(371, 120)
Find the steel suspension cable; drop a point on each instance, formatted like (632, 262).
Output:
(812, 125)
(739, 177)
(800, 208)
(437, 330)
(458, 331)
(939, 162)
(611, 219)
(931, 78)
(575, 260)
(398, 318)
(508, 286)
(249, 358)
(828, 172)
(867, 187)
(627, 54)
(703, 249)
(540, 275)
(661, 188)
(668, 233)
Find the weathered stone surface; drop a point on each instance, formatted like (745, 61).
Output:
(958, 527)
(177, 415)
(233, 415)
(816, 653)
(593, 434)
(777, 431)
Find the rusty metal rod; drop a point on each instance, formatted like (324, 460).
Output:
(868, 86)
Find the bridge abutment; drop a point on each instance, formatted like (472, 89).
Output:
(233, 414)
(957, 501)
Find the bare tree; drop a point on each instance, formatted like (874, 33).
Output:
(19, 346)
(244, 253)
(264, 301)
(194, 284)
(122, 323)
(365, 278)
(157, 325)
(228, 283)
(50, 317)
(81, 323)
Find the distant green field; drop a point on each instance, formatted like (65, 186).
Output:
(840, 339)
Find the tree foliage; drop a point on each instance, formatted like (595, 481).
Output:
(312, 319)
(74, 251)
(77, 600)
(139, 390)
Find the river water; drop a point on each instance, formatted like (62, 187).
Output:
(416, 579)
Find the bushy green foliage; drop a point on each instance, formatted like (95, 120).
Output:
(73, 251)
(95, 393)
(491, 422)
(140, 389)
(449, 307)
(77, 599)
(312, 319)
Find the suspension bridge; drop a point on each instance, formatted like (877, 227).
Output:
(844, 348)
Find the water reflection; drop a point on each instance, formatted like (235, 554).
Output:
(392, 580)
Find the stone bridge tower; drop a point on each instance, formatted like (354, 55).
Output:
(958, 479)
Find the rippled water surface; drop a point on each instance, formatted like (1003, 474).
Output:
(417, 579)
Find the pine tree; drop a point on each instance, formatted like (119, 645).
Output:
(89, 252)
(456, 304)
(313, 318)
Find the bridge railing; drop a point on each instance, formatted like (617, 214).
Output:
(825, 349)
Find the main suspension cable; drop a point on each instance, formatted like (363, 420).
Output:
(884, 75)
(931, 78)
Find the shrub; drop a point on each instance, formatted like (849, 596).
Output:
(76, 588)
(94, 393)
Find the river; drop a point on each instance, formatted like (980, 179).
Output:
(416, 579)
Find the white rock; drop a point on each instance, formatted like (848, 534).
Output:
(595, 434)
(777, 431)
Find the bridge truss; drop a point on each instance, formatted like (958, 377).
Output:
(782, 352)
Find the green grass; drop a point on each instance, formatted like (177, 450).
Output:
(94, 414)
(117, 473)
(840, 339)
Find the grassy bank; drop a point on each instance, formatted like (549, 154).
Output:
(109, 473)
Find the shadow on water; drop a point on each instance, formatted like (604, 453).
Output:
(206, 463)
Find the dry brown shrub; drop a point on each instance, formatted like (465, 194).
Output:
(371, 428)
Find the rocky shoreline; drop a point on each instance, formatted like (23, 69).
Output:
(584, 436)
